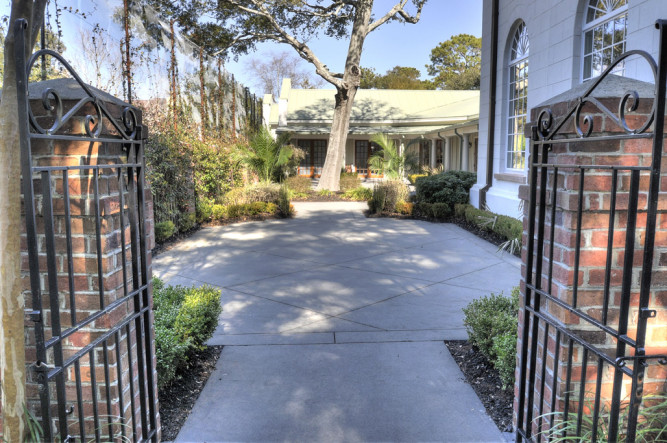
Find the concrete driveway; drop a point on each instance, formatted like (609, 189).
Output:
(333, 326)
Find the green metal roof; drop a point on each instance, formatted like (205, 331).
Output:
(385, 105)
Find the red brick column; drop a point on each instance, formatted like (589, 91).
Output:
(593, 258)
(114, 243)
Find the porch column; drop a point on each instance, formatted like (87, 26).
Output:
(448, 154)
(433, 153)
(464, 153)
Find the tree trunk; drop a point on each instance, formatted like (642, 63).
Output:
(330, 178)
(12, 301)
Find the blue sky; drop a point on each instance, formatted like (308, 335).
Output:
(394, 44)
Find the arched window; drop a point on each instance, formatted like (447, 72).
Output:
(518, 99)
(604, 35)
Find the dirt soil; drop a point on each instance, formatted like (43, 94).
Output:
(177, 400)
(484, 379)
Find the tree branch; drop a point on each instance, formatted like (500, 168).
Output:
(301, 48)
(398, 9)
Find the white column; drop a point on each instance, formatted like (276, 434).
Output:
(448, 154)
(432, 154)
(464, 153)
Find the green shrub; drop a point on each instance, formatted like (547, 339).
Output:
(412, 178)
(325, 193)
(164, 231)
(460, 209)
(404, 208)
(186, 221)
(234, 211)
(198, 316)
(441, 211)
(184, 319)
(266, 192)
(483, 219)
(219, 212)
(449, 187)
(255, 208)
(504, 348)
(285, 208)
(349, 181)
(385, 196)
(359, 194)
(423, 209)
(489, 317)
(508, 227)
(299, 184)
(204, 210)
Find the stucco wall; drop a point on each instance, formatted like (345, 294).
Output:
(554, 31)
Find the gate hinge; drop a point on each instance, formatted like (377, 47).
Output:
(42, 367)
(621, 361)
(647, 313)
(35, 316)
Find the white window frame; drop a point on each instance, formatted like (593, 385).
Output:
(519, 38)
(590, 27)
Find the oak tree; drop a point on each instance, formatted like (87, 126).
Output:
(456, 63)
(399, 77)
(295, 22)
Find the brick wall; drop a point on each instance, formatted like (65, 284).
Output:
(589, 281)
(99, 274)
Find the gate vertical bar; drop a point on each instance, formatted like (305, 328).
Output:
(649, 241)
(37, 315)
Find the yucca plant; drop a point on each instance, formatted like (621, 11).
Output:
(265, 156)
(389, 161)
(651, 425)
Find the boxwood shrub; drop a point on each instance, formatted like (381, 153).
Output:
(449, 187)
(184, 319)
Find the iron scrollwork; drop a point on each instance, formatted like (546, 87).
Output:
(53, 103)
(547, 128)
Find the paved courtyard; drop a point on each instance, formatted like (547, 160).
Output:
(333, 326)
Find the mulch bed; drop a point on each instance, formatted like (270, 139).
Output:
(484, 379)
(177, 400)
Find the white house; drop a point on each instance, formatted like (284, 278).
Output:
(440, 126)
(533, 50)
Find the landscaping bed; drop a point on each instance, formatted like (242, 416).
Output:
(485, 381)
(177, 400)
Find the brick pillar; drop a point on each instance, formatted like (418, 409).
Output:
(79, 281)
(593, 256)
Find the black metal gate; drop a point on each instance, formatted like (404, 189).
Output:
(582, 378)
(89, 276)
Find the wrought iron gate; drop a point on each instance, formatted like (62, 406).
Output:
(88, 270)
(575, 364)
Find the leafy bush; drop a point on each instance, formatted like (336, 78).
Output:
(504, 348)
(460, 209)
(449, 187)
(164, 231)
(385, 196)
(359, 194)
(405, 208)
(285, 208)
(412, 178)
(423, 209)
(184, 319)
(264, 192)
(441, 211)
(186, 221)
(299, 184)
(218, 212)
(509, 228)
(204, 210)
(325, 193)
(489, 317)
(349, 181)
(198, 315)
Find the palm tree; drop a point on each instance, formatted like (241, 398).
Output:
(392, 164)
(264, 155)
